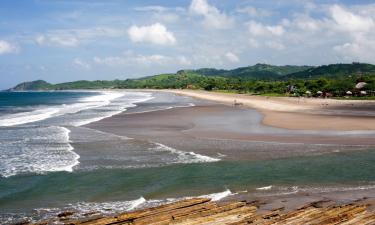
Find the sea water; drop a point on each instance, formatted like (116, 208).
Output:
(50, 162)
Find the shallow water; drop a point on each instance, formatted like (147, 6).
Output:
(24, 193)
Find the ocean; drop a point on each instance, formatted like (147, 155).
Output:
(51, 162)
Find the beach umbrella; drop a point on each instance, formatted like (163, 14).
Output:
(363, 93)
(308, 92)
(349, 93)
(319, 92)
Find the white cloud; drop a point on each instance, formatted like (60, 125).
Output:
(182, 60)
(75, 37)
(155, 34)
(254, 12)
(57, 40)
(361, 48)
(231, 57)
(151, 8)
(80, 63)
(275, 45)
(130, 58)
(253, 43)
(150, 59)
(258, 29)
(66, 41)
(161, 13)
(305, 22)
(349, 21)
(6, 47)
(213, 18)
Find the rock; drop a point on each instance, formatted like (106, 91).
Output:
(204, 211)
(65, 214)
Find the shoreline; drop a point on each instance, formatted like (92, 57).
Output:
(307, 210)
(298, 113)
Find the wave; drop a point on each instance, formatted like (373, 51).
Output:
(27, 117)
(266, 188)
(150, 156)
(184, 157)
(218, 196)
(280, 190)
(97, 101)
(36, 150)
(163, 109)
(114, 109)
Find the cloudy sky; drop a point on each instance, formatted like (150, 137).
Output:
(65, 40)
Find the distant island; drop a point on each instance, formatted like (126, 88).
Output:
(334, 80)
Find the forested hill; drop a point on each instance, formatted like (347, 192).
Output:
(258, 71)
(334, 71)
(34, 85)
(260, 78)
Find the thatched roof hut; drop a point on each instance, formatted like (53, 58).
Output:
(360, 85)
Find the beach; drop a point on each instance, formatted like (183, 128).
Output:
(300, 113)
(166, 147)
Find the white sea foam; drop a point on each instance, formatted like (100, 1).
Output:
(220, 155)
(106, 207)
(218, 196)
(115, 108)
(167, 108)
(336, 189)
(184, 157)
(101, 100)
(81, 209)
(27, 117)
(36, 150)
(266, 188)
(282, 190)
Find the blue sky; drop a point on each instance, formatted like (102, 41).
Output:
(66, 40)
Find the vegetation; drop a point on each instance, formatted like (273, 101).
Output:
(262, 79)
(256, 72)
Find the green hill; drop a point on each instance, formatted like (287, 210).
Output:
(32, 85)
(182, 79)
(257, 79)
(334, 71)
(255, 72)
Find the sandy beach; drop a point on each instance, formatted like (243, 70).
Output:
(243, 134)
(300, 113)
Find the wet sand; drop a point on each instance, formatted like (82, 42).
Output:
(216, 129)
(300, 113)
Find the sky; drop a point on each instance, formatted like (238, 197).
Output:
(67, 40)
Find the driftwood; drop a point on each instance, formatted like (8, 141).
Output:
(204, 211)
